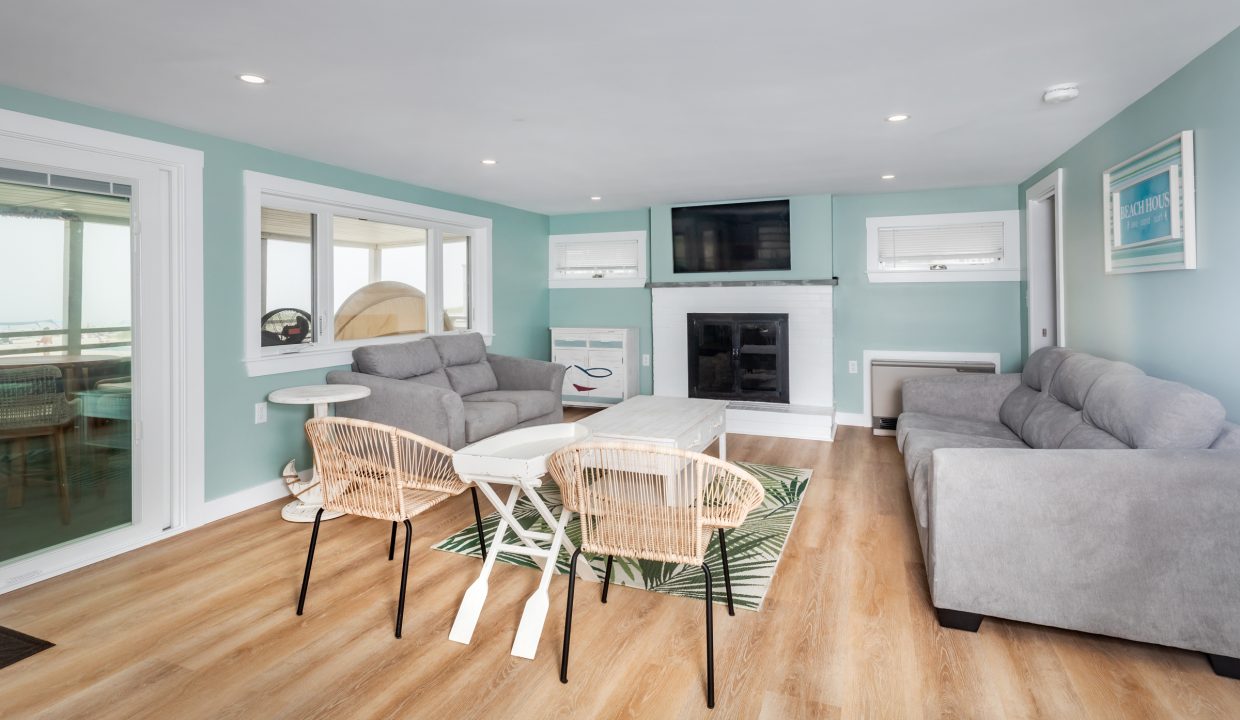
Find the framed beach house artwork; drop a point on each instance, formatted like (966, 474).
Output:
(1148, 209)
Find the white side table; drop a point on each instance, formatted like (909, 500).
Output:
(518, 460)
(306, 505)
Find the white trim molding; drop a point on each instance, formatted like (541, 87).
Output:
(1048, 187)
(168, 342)
(323, 200)
(869, 356)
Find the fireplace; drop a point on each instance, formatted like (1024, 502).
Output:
(738, 356)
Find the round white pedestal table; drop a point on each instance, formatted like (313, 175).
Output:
(306, 505)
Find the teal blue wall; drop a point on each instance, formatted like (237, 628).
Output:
(1181, 324)
(970, 317)
(611, 307)
(810, 221)
(240, 454)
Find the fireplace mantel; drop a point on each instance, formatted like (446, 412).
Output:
(742, 283)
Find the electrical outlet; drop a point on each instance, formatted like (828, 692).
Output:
(646, 359)
(260, 413)
(852, 367)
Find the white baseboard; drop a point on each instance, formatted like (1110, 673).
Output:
(852, 419)
(809, 424)
(242, 500)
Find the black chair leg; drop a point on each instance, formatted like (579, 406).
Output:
(710, 639)
(392, 544)
(404, 579)
(568, 616)
(482, 538)
(305, 580)
(607, 578)
(727, 575)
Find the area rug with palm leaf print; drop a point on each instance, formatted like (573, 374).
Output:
(754, 548)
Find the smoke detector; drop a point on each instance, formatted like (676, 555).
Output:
(1062, 93)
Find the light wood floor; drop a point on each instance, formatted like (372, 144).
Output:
(203, 625)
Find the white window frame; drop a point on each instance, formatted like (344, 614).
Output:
(1006, 270)
(326, 202)
(554, 280)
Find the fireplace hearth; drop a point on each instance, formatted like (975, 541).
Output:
(738, 356)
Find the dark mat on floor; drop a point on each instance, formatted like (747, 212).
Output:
(16, 646)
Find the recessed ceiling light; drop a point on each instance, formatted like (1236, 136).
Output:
(897, 118)
(1062, 93)
(488, 161)
(596, 198)
(252, 79)
(888, 177)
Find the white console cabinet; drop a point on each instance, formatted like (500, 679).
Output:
(602, 364)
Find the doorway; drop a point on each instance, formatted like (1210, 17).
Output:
(1044, 294)
(94, 371)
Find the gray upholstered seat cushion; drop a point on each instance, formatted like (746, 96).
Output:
(1228, 439)
(529, 403)
(1147, 413)
(464, 359)
(919, 447)
(398, 360)
(484, 419)
(963, 426)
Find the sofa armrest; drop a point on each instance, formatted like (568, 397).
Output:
(514, 373)
(1138, 544)
(974, 396)
(434, 413)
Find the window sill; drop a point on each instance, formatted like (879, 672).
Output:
(312, 358)
(938, 276)
(597, 283)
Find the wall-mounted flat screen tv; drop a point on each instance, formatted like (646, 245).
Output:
(736, 237)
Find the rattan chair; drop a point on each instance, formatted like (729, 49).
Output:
(381, 472)
(652, 503)
(33, 405)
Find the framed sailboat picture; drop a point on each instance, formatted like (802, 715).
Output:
(1149, 211)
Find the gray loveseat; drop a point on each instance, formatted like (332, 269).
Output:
(1080, 494)
(449, 389)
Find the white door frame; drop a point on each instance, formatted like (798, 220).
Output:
(168, 311)
(1041, 191)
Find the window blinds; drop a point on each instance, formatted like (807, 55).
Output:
(928, 246)
(580, 258)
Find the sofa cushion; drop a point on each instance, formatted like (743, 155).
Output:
(1078, 373)
(919, 447)
(484, 419)
(1041, 366)
(962, 426)
(471, 379)
(529, 403)
(436, 378)
(1145, 412)
(1049, 423)
(464, 349)
(1228, 439)
(1088, 437)
(398, 360)
(1016, 407)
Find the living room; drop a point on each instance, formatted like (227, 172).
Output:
(876, 365)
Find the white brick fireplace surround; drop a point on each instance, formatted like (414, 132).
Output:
(809, 413)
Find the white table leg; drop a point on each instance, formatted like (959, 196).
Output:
(505, 513)
(476, 595)
(303, 509)
(584, 571)
(723, 444)
(535, 613)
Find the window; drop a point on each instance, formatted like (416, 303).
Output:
(952, 247)
(616, 259)
(329, 270)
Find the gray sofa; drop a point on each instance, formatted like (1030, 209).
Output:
(1080, 494)
(449, 389)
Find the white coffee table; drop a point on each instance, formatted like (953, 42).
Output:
(309, 499)
(518, 459)
(684, 423)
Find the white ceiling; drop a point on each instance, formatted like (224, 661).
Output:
(642, 101)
